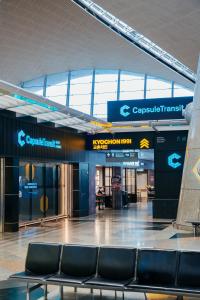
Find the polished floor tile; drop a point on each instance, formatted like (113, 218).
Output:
(132, 227)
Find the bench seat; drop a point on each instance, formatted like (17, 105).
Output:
(159, 271)
(63, 279)
(27, 276)
(107, 283)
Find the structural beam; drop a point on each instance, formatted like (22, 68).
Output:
(189, 202)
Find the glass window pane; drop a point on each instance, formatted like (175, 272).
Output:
(158, 88)
(35, 86)
(105, 90)
(57, 87)
(80, 90)
(106, 82)
(131, 86)
(180, 91)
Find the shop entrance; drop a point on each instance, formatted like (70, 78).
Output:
(137, 178)
(44, 190)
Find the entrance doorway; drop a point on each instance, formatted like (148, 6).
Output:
(137, 179)
(44, 190)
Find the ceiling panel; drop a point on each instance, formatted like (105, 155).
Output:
(44, 37)
(28, 109)
(7, 101)
(172, 24)
(50, 116)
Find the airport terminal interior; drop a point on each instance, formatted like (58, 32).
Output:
(100, 149)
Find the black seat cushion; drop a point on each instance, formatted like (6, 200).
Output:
(43, 259)
(29, 276)
(78, 260)
(189, 269)
(136, 285)
(116, 263)
(162, 289)
(99, 281)
(156, 267)
(67, 279)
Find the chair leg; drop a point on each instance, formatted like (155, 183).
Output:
(45, 291)
(115, 294)
(27, 292)
(92, 293)
(75, 291)
(145, 296)
(122, 295)
(61, 292)
(179, 297)
(100, 293)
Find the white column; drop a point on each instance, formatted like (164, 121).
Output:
(189, 202)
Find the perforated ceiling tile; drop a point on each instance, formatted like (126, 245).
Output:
(43, 37)
(169, 23)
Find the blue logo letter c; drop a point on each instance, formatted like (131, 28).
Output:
(124, 112)
(173, 160)
(21, 135)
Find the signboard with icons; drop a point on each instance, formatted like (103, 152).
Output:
(173, 141)
(121, 156)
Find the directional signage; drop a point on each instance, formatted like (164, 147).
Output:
(148, 109)
(121, 156)
(175, 140)
(144, 144)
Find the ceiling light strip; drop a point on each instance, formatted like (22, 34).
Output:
(136, 38)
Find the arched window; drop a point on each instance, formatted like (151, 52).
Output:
(89, 90)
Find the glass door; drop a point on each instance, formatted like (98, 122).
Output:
(39, 190)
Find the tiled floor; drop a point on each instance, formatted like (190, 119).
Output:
(129, 227)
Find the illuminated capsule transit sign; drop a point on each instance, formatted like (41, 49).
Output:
(24, 139)
(148, 109)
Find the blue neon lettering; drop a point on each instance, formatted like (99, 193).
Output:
(24, 139)
(135, 110)
(156, 109)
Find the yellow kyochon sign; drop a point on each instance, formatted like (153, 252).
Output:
(103, 144)
(196, 169)
(112, 143)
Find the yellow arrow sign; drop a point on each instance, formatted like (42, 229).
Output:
(144, 143)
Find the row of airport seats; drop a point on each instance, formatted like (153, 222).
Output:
(111, 268)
